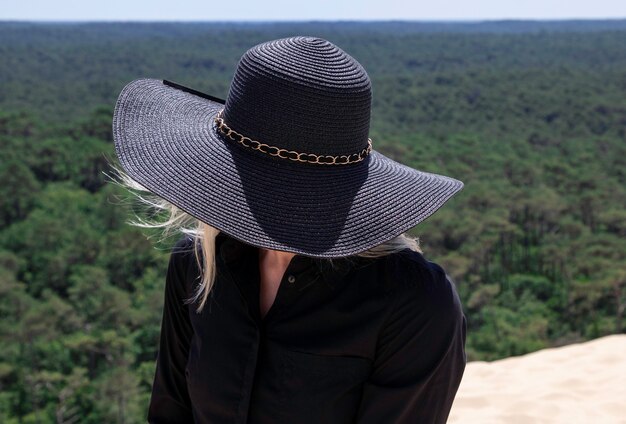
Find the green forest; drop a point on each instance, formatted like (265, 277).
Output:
(531, 116)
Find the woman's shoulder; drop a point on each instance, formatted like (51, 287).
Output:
(417, 281)
(182, 253)
(183, 268)
(183, 245)
(415, 262)
(407, 267)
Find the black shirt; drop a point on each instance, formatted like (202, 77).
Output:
(373, 340)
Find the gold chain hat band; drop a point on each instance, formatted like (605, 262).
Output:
(290, 154)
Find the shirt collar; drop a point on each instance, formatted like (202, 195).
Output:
(231, 250)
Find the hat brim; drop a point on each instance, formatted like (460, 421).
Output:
(166, 140)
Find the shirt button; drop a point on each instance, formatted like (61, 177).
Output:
(291, 278)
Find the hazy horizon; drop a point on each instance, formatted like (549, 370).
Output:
(312, 20)
(322, 10)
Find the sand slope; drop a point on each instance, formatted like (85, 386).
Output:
(578, 383)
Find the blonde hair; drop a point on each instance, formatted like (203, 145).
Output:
(177, 221)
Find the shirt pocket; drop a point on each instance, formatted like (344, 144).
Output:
(317, 385)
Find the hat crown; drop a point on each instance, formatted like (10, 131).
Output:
(303, 94)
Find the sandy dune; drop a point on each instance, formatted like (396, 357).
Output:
(578, 383)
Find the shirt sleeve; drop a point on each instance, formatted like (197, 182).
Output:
(169, 401)
(420, 356)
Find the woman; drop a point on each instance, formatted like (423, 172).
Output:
(295, 294)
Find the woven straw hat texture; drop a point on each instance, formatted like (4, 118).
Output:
(300, 93)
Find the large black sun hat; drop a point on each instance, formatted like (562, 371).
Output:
(285, 161)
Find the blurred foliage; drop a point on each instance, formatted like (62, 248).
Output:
(530, 116)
